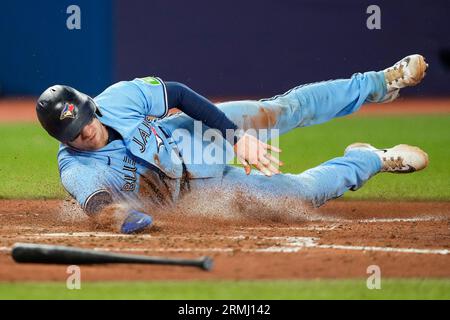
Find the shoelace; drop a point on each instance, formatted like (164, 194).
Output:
(392, 163)
(394, 74)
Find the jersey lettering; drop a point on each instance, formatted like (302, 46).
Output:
(130, 174)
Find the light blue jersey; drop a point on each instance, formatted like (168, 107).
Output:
(150, 164)
(133, 109)
(128, 107)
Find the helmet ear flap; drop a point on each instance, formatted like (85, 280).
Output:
(98, 112)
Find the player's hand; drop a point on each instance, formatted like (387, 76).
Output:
(251, 151)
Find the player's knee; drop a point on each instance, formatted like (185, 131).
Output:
(311, 189)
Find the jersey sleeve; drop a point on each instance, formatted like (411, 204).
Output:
(85, 183)
(136, 98)
(155, 92)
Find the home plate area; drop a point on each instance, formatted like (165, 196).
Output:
(340, 240)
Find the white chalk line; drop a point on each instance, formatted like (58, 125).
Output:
(339, 222)
(283, 245)
(220, 250)
(386, 249)
(295, 244)
(85, 235)
(393, 220)
(124, 236)
(379, 220)
(311, 243)
(309, 228)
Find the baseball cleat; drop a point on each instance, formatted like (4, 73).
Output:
(399, 159)
(135, 222)
(406, 73)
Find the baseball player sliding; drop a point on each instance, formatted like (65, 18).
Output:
(122, 146)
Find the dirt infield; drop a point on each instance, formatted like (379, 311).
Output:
(23, 109)
(340, 240)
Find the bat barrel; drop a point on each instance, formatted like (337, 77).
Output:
(49, 254)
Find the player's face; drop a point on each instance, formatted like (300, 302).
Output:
(92, 137)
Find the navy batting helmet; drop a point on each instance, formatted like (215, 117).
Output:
(64, 111)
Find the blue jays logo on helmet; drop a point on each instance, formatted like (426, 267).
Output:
(68, 111)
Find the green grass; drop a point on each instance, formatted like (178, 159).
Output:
(284, 289)
(28, 169)
(28, 166)
(308, 147)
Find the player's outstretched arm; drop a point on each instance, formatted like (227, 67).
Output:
(249, 150)
(197, 107)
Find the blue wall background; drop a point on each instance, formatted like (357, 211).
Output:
(260, 48)
(37, 49)
(220, 48)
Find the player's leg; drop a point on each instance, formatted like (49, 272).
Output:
(360, 162)
(307, 104)
(315, 186)
(327, 181)
(320, 102)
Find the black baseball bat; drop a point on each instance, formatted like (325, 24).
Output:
(50, 254)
